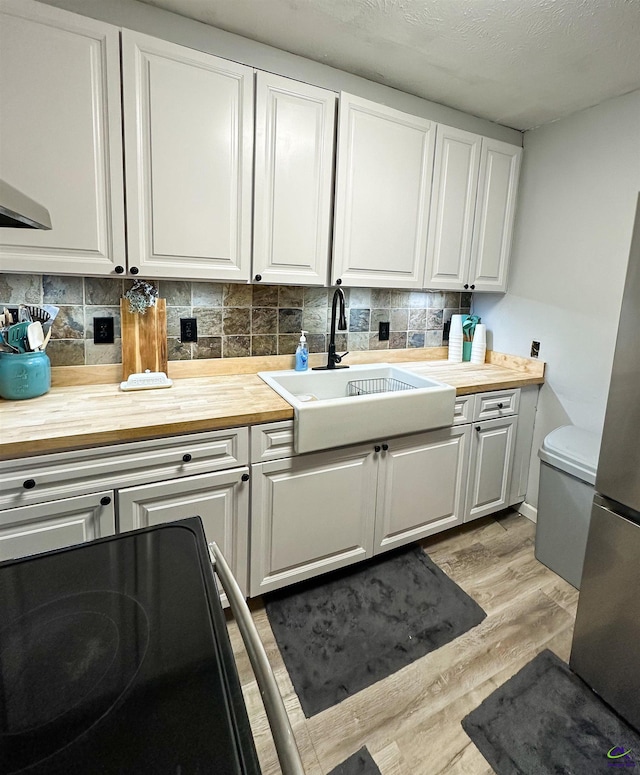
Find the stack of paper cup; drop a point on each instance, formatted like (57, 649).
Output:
(455, 339)
(479, 345)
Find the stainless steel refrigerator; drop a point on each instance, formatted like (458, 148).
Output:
(606, 641)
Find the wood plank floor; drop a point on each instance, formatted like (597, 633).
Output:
(410, 721)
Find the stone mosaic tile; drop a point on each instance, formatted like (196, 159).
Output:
(378, 316)
(316, 297)
(380, 297)
(287, 344)
(317, 343)
(314, 320)
(289, 321)
(264, 320)
(66, 352)
(206, 294)
(399, 319)
(290, 296)
(236, 321)
(176, 292)
(417, 319)
(235, 295)
(95, 354)
(376, 344)
(465, 299)
(341, 342)
(359, 319)
(177, 350)
(436, 299)
(20, 289)
(209, 320)
(102, 291)
(358, 341)
(265, 295)
(418, 299)
(399, 298)
(451, 299)
(433, 338)
(415, 338)
(360, 297)
(207, 347)
(435, 318)
(69, 323)
(398, 340)
(236, 346)
(173, 319)
(264, 344)
(99, 312)
(62, 290)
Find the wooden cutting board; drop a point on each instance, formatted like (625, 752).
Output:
(144, 339)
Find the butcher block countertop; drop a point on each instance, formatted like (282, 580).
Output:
(79, 413)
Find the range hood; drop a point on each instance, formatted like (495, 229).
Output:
(18, 211)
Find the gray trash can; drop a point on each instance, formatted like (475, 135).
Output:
(569, 458)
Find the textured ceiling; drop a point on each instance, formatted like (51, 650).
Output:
(520, 63)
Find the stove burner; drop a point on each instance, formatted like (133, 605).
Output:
(63, 667)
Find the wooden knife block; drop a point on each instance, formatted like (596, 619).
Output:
(144, 339)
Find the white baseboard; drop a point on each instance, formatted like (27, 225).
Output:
(528, 511)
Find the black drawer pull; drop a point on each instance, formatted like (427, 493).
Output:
(134, 270)
(258, 277)
(186, 458)
(245, 477)
(105, 501)
(119, 269)
(29, 484)
(500, 405)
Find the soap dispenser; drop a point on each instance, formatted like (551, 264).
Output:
(302, 353)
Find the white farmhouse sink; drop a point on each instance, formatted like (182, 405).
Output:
(327, 416)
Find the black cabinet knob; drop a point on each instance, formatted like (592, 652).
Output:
(186, 458)
(377, 448)
(119, 269)
(29, 484)
(105, 501)
(478, 428)
(134, 270)
(245, 477)
(473, 287)
(385, 447)
(338, 281)
(500, 405)
(466, 286)
(257, 278)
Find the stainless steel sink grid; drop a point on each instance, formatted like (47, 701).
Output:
(366, 387)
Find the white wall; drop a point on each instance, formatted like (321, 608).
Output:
(578, 192)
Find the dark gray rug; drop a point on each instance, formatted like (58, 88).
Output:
(347, 630)
(546, 720)
(360, 763)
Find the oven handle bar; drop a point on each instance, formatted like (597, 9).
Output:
(285, 743)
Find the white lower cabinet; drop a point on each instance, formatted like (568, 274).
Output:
(311, 514)
(492, 447)
(56, 524)
(220, 499)
(421, 486)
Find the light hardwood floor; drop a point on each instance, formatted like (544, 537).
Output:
(410, 721)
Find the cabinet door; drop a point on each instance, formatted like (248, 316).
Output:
(384, 172)
(422, 486)
(221, 500)
(311, 514)
(60, 126)
(53, 525)
(453, 201)
(492, 445)
(495, 212)
(295, 126)
(188, 132)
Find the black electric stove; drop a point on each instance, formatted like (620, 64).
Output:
(115, 658)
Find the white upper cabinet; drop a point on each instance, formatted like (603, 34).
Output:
(188, 132)
(455, 183)
(294, 157)
(383, 187)
(60, 130)
(495, 213)
(472, 211)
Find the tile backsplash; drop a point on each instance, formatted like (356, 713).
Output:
(234, 320)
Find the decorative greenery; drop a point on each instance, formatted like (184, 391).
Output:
(141, 296)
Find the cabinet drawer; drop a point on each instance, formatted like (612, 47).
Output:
(47, 477)
(463, 409)
(497, 403)
(271, 441)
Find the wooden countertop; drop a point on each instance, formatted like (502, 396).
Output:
(88, 415)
